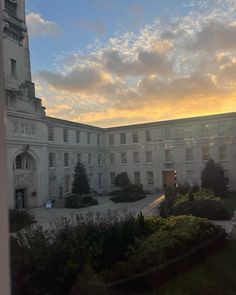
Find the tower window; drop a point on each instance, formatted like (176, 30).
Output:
(13, 67)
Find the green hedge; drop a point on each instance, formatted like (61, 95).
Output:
(75, 201)
(130, 193)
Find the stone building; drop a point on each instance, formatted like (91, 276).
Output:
(42, 151)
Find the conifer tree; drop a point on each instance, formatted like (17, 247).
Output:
(80, 184)
(213, 178)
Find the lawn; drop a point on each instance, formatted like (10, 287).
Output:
(215, 276)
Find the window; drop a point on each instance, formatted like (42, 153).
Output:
(52, 187)
(19, 162)
(90, 159)
(88, 138)
(98, 139)
(137, 177)
(226, 176)
(99, 159)
(167, 132)
(16, 127)
(168, 156)
(66, 160)
(149, 156)
(123, 158)
(135, 138)
(223, 153)
(136, 157)
(67, 183)
(112, 177)
(178, 133)
(65, 135)
(77, 136)
(205, 131)
(50, 133)
(91, 181)
(189, 154)
(100, 179)
(112, 159)
(148, 136)
(188, 133)
(221, 130)
(205, 153)
(12, 35)
(78, 156)
(150, 180)
(51, 160)
(111, 139)
(13, 67)
(123, 138)
(190, 176)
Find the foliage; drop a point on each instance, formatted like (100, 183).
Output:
(122, 180)
(204, 194)
(183, 188)
(80, 183)
(212, 177)
(19, 219)
(52, 261)
(130, 193)
(211, 209)
(76, 201)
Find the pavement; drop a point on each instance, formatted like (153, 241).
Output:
(148, 206)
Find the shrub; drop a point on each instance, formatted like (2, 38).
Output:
(73, 201)
(212, 177)
(19, 219)
(133, 188)
(94, 202)
(122, 180)
(87, 199)
(183, 188)
(211, 209)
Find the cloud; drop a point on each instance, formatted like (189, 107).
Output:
(146, 63)
(216, 36)
(77, 80)
(182, 67)
(38, 26)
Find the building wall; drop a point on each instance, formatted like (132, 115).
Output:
(43, 151)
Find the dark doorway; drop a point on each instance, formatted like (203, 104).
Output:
(20, 198)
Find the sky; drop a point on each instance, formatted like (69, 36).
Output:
(118, 62)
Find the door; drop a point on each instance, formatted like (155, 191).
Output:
(168, 178)
(20, 198)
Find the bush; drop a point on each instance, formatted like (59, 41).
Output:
(122, 180)
(76, 202)
(19, 219)
(183, 188)
(213, 178)
(211, 209)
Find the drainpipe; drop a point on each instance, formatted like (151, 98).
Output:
(4, 233)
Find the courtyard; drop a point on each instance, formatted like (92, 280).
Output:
(148, 206)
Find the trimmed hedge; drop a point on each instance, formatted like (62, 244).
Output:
(75, 202)
(211, 209)
(130, 193)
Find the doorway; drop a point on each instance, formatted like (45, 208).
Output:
(20, 198)
(169, 178)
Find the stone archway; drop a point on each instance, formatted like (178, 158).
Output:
(25, 181)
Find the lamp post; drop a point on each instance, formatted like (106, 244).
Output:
(4, 235)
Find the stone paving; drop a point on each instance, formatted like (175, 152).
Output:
(148, 206)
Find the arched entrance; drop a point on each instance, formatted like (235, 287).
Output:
(25, 181)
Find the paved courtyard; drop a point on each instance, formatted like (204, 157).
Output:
(148, 206)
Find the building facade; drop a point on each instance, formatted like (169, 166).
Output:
(43, 151)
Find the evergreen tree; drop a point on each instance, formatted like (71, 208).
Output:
(80, 183)
(213, 178)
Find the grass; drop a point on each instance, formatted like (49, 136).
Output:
(230, 203)
(215, 276)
